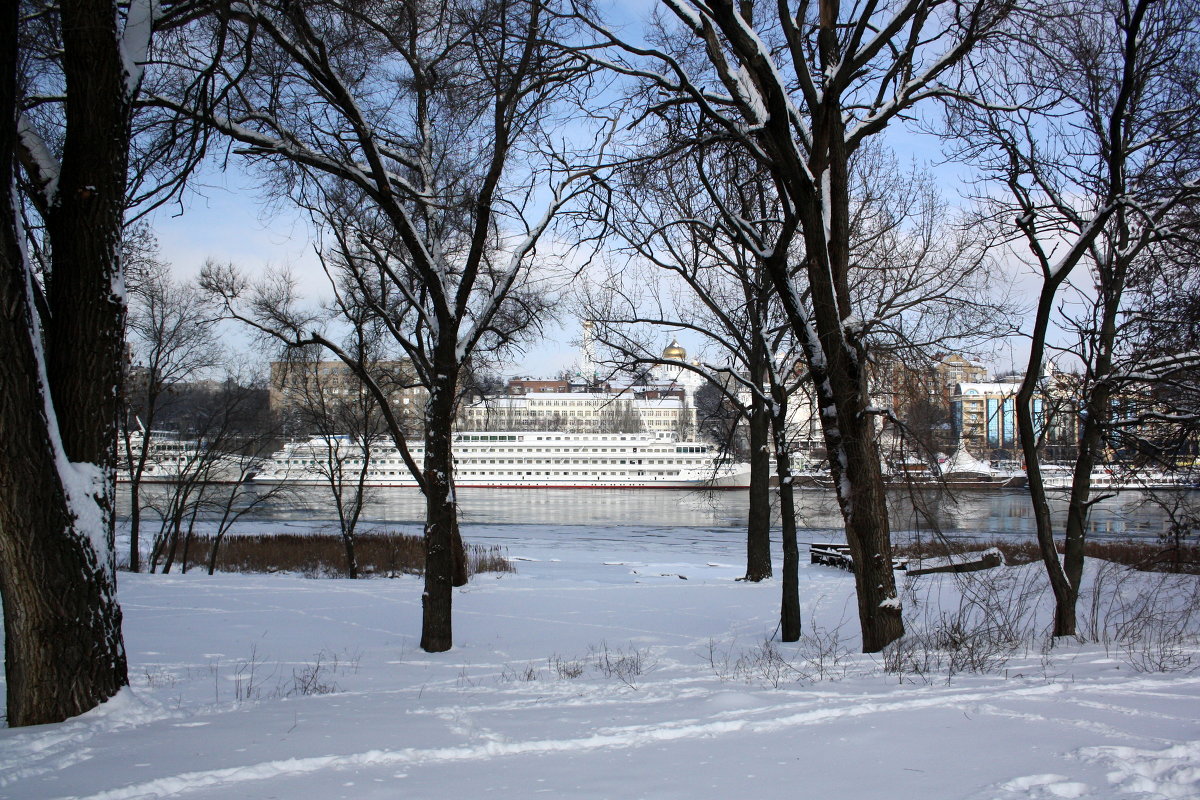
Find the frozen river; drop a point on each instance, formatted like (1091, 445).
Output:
(720, 514)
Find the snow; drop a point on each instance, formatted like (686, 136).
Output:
(135, 43)
(48, 168)
(594, 672)
(83, 483)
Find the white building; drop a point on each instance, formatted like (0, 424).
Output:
(597, 412)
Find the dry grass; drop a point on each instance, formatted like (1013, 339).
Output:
(385, 554)
(1143, 555)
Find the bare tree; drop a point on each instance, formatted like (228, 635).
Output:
(667, 213)
(1162, 324)
(223, 435)
(171, 339)
(1091, 139)
(801, 93)
(416, 134)
(921, 284)
(346, 420)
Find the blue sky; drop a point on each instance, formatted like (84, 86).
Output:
(227, 218)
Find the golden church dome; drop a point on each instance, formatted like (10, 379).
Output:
(675, 352)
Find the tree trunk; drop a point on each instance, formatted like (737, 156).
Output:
(351, 559)
(459, 551)
(837, 363)
(440, 516)
(137, 469)
(833, 349)
(172, 544)
(1098, 405)
(1064, 595)
(63, 651)
(347, 517)
(187, 550)
(758, 522)
(212, 555)
(135, 526)
(85, 346)
(864, 507)
(789, 612)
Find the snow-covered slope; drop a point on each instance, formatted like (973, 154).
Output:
(634, 668)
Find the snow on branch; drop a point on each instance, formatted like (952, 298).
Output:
(135, 43)
(38, 160)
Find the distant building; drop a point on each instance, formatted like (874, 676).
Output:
(985, 417)
(599, 412)
(952, 369)
(294, 384)
(662, 400)
(522, 386)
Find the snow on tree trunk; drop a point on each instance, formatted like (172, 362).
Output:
(60, 387)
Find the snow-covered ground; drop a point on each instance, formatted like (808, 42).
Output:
(617, 663)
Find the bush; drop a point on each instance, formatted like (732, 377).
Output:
(383, 554)
(1141, 555)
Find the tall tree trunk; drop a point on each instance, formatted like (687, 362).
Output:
(1064, 604)
(135, 525)
(837, 363)
(789, 610)
(834, 351)
(758, 522)
(85, 343)
(441, 514)
(64, 652)
(1098, 407)
(351, 558)
(864, 508)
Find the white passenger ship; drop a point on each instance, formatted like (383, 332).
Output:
(175, 460)
(524, 460)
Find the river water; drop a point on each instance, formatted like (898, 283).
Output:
(980, 514)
